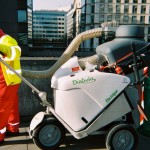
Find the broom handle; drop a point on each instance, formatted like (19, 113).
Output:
(21, 77)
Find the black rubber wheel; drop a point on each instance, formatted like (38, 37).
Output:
(49, 134)
(122, 137)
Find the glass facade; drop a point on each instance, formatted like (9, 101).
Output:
(49, 24)
(22, 16)
(23, 38)
(128, 12)
(29, 3)
(83, 15)
(82, 3)
(25, 22)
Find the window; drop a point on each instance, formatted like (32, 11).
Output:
(102, 8)
(126, 19)
(101, 19)
(102, 1)
(118, 8)
(148, 30)
(110, 8)
(92, 26)
(109, 18)
(126, 9)
(134, 11)
(92, 9)
(134, 19)
(143, 9)
(142, 19)
(91, 43)
(22, 16)
(92, 18)
(118, 1)
(126, 1)
(148, 40)
(135, 1)
(117, 18)
(143, 1)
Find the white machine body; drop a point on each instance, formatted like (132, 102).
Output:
(80, 97)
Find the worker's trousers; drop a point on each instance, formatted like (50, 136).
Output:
(9, 111)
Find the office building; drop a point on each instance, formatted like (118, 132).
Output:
(96, 12)
(71, 31)
(49, 28)
(132, 12)
(73, 19)
(16, 20)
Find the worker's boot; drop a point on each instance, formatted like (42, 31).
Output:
(12, 130)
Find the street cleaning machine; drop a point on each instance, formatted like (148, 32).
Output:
(90, 100)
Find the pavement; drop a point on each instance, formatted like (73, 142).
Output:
(92, 142)
(24, 142)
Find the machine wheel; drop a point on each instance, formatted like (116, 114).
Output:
(122, 137)
(49, 134)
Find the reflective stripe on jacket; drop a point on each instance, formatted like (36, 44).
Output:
(12, 53)
(2, 131)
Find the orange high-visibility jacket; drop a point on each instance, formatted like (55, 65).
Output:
(12, 52)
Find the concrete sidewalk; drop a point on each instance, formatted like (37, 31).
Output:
(23, 142)
(93, 142)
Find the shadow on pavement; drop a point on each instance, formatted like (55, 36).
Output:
(20, 134)
(14, 142)
(91, 142)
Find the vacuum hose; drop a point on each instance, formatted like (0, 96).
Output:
(67, 55)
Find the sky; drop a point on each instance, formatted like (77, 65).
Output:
(52, 4)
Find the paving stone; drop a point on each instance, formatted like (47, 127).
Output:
(92, 142)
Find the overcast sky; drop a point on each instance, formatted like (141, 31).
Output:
(52, 4)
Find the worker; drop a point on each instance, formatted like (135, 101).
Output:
(10, 52)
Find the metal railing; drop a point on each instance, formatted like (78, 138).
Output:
(57, 53)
